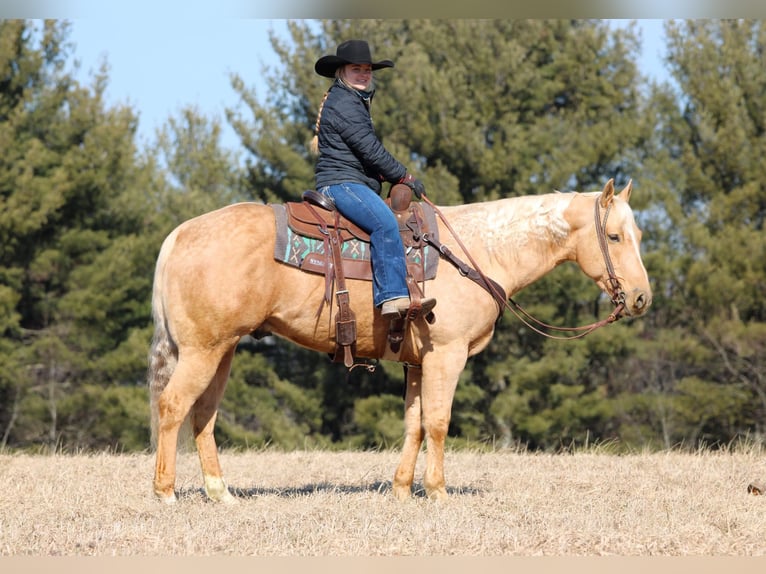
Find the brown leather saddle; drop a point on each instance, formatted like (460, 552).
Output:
(316, 218)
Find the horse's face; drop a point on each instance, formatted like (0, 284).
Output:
(622, 242)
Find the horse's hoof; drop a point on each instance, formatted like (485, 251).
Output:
(401, 492)
(217, 491)
(166, 500)
(437, 494)
(226, 498)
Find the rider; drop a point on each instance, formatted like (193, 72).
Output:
(352, 164)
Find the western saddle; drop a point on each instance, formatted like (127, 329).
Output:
(316, 217)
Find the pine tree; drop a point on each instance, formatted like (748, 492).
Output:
(704, 365)
(73, 277)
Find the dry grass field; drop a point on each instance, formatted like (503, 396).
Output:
(312, 504)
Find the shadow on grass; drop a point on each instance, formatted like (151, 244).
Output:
(418, 490)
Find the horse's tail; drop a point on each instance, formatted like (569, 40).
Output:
(163, 354)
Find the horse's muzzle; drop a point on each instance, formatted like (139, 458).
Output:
(637, 302)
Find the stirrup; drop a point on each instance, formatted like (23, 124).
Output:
(407, 311)
(424, 310)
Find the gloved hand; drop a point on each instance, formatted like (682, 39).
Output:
(414, 184)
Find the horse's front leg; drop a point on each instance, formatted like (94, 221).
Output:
(439, 380)
(413, 435)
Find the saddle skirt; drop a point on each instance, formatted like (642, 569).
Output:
(301, 242)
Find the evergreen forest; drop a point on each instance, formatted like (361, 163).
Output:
(480, 109)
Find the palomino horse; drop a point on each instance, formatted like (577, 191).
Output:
(216, 280)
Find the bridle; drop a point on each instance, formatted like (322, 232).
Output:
(617, 296)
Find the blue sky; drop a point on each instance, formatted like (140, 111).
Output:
(160, 65)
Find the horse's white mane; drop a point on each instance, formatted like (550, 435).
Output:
(518, 220)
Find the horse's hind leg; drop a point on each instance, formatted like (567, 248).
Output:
(413, 435)
(203, 417)
(192, 376)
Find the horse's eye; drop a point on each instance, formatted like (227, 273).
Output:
(614, 237)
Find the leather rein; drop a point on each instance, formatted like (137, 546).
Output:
(504, 302)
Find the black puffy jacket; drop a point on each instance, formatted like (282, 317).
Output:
(349, 150)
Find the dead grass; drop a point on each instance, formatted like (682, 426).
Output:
(340, 504)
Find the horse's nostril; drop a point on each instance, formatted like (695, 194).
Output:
(641, 301)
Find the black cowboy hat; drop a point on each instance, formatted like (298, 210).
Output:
(350, 52)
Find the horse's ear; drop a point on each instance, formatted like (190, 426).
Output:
(625, 193)
(607, 193)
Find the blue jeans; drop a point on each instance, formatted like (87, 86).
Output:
(367, 209)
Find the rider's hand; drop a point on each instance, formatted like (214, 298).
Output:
(414, 184)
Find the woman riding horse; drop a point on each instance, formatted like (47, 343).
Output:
(352, 164)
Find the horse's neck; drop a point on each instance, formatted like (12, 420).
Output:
(521, 238)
